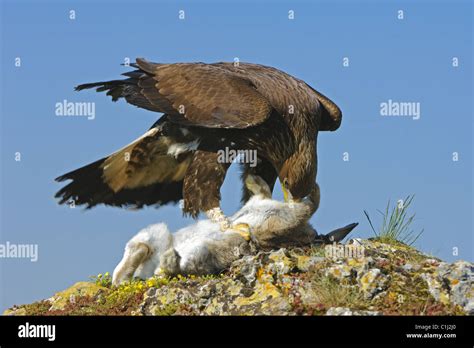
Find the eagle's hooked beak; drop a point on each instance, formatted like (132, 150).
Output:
(286, 192)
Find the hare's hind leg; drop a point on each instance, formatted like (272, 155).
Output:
(134, 256)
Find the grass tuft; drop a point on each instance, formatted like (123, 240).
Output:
(331, 293)
(396, 224)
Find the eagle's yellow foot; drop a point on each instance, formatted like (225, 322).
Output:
(216, 215)
(242, 229)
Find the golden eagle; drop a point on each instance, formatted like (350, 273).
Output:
(206, 108)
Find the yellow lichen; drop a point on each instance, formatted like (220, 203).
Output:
(263, 292)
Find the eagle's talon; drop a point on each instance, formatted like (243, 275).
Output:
(225, 225)
(241, 228)
(216, 215)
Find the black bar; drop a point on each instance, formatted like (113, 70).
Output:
(242, 330)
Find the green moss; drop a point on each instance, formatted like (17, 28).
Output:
(35, 308)
(409, 295)
(207, 277)
(167, 310)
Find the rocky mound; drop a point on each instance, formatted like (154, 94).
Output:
(387, 279)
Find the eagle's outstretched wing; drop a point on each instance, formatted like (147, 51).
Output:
(191, 94)
(148, 171)
(217, 103)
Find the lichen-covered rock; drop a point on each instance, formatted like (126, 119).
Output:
(304, 263)
(339, 271)
(453, 283)
(280, 263)
(390, 279)
(372, 282)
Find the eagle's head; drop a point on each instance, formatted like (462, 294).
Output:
(298, 173)
(297, 182)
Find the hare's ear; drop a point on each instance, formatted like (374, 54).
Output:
(257, 186)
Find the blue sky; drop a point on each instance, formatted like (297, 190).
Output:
(407, 60)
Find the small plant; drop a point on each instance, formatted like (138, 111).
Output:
(156, 282)
(104, 280)
(317, 250)
(206, 277)
(396, 224)
(126, 292)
